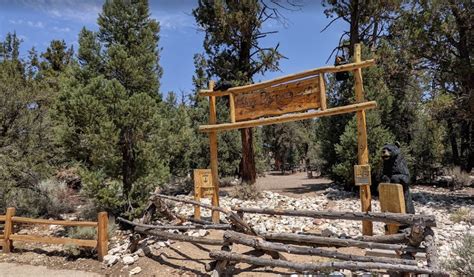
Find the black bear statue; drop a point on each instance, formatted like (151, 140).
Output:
(395, 170)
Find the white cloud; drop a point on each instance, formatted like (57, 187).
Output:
(84, 11)
(174, 21)
(34, 24)
(37, 24)
(63, 30)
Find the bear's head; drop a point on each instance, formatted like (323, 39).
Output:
(390, 151)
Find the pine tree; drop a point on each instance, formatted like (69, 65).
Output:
(110, 108)
(27, 149)
(233, 31)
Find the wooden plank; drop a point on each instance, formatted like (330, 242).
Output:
(287, 117)
(213, 154)
(232, 107)
(391, 200)
(203, 187)
(287, 78)
(53, 240)
(362, 148)
(284, 98)
(203, 182)
(102, 235)
(322, 92)
(26, 220)
(8, 230)
(2, 218)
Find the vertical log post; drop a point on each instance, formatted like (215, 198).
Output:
(7, 243)
(322, 92)
(232, 107)
(102, 235)
(213, 151)
(197, 195)
(362, 149)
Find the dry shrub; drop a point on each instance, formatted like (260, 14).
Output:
(245, 191)
(459, 179)
(461, 263)
(462, 214)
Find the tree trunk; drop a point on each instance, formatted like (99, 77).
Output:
(354, 28)
(248, 171)
(453, 141)
(128, 159)
(466, 146)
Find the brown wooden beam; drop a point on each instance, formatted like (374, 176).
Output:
(287, 78)
(287, 117)
(315, 267)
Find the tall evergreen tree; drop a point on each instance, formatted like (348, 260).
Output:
(110, 106)
(233, 31)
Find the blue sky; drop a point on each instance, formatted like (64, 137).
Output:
(38, 22)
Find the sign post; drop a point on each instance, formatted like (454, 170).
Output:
(203, 187)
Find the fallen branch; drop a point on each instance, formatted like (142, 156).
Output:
(335, 242)
(259, 243)
(405, 219)
(431, 252)
(238, 223)
(315, 267)
(177, 227)
(168, 235)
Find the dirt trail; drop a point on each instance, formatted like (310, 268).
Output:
(22, 270)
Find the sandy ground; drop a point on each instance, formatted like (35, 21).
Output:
(293, 185)
(21, 270)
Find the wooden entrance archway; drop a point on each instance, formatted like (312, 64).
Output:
(290, 98)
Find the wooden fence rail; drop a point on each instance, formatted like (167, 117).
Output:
(9, 236)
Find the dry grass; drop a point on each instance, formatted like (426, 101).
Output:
(462, 214)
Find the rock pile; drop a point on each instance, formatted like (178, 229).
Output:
(426, 202)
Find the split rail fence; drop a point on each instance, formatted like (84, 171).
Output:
(418, 238)
(9, 235)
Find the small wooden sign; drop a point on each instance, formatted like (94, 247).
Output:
(279, 99)
(202, 188)
(362, 175)
(203, 182)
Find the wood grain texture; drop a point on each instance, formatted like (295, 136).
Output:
(8, 230)
(391, 200)
(280, 99)
(287, 117)
(287, 78)
(362, 147)
(102, 235)
(26, 220)
(317, 267)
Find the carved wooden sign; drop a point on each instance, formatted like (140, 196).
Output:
(279, 99)
(362, 175)
(203, 183)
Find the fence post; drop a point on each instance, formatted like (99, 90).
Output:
(7, 243)
(102, 235)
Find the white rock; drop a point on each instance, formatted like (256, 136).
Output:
(136, 270)
(161, 244)
(128, 260)
(203, 233)
(110, 260)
